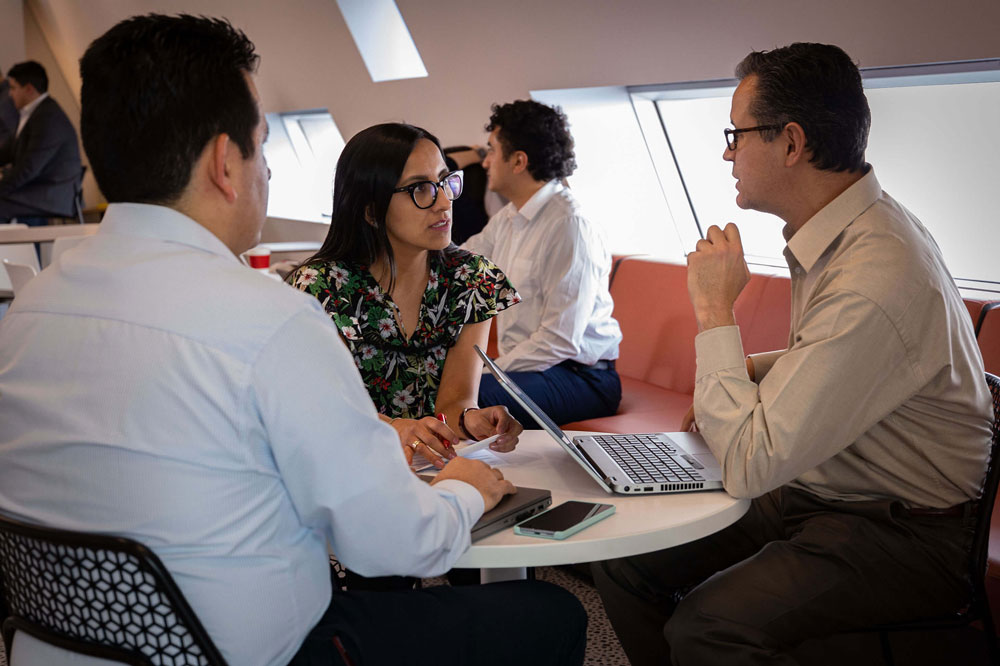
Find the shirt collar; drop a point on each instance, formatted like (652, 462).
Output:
(28, 109)
(161, 223)
(533, 206)
(812, 240)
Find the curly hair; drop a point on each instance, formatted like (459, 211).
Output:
(818, 87)
(541, 132)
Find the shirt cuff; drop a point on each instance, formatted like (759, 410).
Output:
(718, 349)
(472, 499)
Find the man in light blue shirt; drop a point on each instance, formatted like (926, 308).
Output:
(154, 387)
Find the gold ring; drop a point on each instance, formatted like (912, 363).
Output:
(415, 443)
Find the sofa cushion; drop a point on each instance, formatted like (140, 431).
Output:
(657, 322)
(644, 408)
(763, 313)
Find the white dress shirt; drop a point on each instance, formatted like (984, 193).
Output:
(559, 264)
(27, 110)
(152, 386)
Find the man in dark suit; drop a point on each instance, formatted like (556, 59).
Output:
(41, 162)
(8, 113)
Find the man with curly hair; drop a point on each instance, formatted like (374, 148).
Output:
(561, 344)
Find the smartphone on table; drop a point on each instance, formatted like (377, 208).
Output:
(564, 520)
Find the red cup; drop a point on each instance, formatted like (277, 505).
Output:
(259, 257)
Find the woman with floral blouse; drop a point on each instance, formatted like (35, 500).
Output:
(409, 304)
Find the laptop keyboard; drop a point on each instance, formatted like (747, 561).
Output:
(647, 459)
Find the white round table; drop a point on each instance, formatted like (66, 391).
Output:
(640, 524)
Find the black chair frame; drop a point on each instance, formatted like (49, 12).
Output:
(104, 596)
(978, 608)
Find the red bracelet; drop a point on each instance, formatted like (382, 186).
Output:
(461, 422)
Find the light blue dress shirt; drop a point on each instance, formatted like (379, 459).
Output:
(152, 386)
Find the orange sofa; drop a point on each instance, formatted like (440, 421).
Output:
(656, 359)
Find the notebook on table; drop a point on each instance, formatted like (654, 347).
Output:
(646, 463)
(510, 510)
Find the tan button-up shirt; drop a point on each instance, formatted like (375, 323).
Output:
(881, 392)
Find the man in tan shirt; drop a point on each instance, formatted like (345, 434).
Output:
(862, 444)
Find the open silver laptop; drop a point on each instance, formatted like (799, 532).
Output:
(677, 462)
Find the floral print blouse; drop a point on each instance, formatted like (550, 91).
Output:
(402, 376)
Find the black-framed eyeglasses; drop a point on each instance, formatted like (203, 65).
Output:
(733, 134)
(425, 192)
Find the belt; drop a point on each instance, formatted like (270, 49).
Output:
(950, 511)
(600, 365)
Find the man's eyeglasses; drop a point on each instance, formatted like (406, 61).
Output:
(425, 192)
(733, 134)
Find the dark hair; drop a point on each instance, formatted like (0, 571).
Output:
(30, 72)
(367, 172)
(818, 87)
(156, 89)
(541, 131)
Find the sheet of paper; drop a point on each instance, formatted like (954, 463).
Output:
(467, 448)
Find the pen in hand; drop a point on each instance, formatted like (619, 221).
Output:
(444, 419)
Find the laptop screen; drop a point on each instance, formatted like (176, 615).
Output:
(540, 416)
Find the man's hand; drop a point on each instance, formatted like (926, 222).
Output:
(487, 480)
(488, 421)
(717, 273)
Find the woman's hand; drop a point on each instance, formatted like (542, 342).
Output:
(488, 421)
(427, 436)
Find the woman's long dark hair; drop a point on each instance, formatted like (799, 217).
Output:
(367, 172)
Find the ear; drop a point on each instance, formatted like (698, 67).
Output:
(220, 166)
(795, 144)
(519, 161)
(369, 215)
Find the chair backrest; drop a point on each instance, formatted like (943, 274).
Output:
(17, 253)
(104, 596)
(988, 494)
(18, 274)
(989, 338)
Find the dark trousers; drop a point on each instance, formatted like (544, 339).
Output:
(566, 392)
(26, 214)
(519, 622)
(794, 567)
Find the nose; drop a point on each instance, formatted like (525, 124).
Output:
(442, 203)
(728, 154)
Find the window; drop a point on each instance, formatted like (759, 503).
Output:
(302, 151)
(614, 181)
(932, 144)
(383, 39)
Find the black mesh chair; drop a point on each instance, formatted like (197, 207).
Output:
(104, 596)
(978, 609)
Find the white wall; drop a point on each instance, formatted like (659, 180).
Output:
(11, 34)
(481, 51)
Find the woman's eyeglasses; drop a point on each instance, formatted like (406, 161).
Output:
(425, 192)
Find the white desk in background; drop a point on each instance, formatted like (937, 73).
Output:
(641, 523)
(46, 233)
